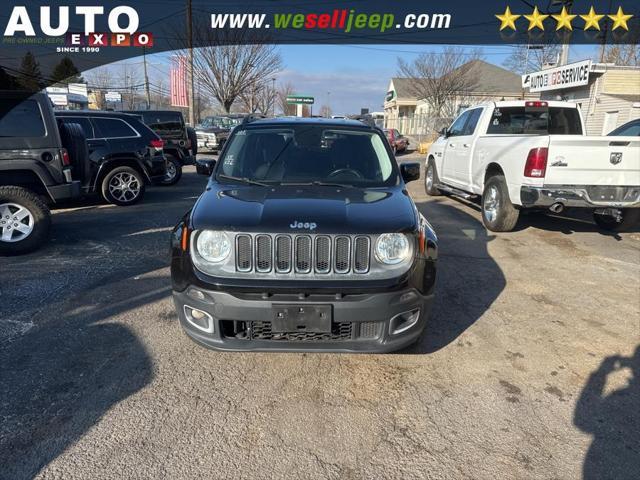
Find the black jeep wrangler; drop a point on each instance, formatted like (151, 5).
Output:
(35, 168)
(305, 239)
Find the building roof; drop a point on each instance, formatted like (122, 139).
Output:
(402, 87)
(490, 79)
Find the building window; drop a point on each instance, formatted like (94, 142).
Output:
(610, 122)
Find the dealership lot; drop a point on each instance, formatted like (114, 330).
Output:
(514, 379)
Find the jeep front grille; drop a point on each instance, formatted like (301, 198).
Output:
(302, 254)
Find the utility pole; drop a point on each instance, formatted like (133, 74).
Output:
(146, 78)
(564, 52)
(273, 95)
(192, 116)
(605, 31)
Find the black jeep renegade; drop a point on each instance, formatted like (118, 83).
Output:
(305, 239)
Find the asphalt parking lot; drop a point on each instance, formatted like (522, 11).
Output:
(530, 368)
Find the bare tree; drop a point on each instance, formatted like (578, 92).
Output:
(130, 80)
(100, 80)
(258, 98)
(325, 111)
(229, 64)
(284, 90)
(620, 54)
(442, 78)
(531, 58)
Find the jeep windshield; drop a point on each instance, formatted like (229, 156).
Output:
(314, 155)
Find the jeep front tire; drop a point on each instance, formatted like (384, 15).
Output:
(24, 221)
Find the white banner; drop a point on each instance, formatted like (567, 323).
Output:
(557, 78)
(59, 99)
(112, 97)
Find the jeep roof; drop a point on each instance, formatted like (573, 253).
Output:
(339, 122)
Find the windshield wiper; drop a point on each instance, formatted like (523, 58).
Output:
(244, 180)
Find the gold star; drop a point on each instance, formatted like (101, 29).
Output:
(564, 19)
(620, 19)
(507, 19)
(592, 20)
(535, 19)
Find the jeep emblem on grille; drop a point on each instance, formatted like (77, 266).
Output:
(305, 225)
(615, 157)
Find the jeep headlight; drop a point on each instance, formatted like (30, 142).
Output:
(392, 248)
(213, 246)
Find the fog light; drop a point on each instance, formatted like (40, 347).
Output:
(199, 319)
(404, 321)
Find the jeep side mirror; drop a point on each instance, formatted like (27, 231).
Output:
(410, 171)
(205, 167)
(444, 133)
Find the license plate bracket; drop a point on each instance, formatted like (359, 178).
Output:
(301, 318)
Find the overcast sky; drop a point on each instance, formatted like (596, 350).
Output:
(356, 76)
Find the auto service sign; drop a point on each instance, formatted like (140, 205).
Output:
(566, 76)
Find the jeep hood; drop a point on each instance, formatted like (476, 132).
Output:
(276, 209)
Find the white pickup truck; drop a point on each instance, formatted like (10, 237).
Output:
(534, 154)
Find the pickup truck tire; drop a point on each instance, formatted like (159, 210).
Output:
(498, 213)
(123, 186)
(174, 172)
(431, 180)
(29, 213)
(630, 218)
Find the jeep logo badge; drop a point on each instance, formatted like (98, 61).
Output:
(615, 157)
(300, 225)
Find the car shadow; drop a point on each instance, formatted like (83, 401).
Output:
(468, 279)
(69, 361)
(60, 377)
(613, 421)
(573, 220)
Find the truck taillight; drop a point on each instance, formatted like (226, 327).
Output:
(536, 165)
(157, 143)
(66, 160)
(536, 104)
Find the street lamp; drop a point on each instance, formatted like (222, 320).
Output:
(328, 103)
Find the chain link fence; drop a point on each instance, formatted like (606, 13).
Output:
(421, 128)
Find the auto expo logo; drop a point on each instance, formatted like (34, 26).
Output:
(123, 22)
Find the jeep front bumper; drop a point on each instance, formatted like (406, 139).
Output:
(376, 322)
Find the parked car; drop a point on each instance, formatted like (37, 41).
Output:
(629, 129)
(178, 146)
(534, 155)
(35, 169)
(213, 131)
(124, 155)
(398, 142)
(305, 239)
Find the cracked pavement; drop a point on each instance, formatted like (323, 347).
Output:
(527, 370)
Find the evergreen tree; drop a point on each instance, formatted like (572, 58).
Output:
(30, 77)
(7, 82)
(66, 72)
